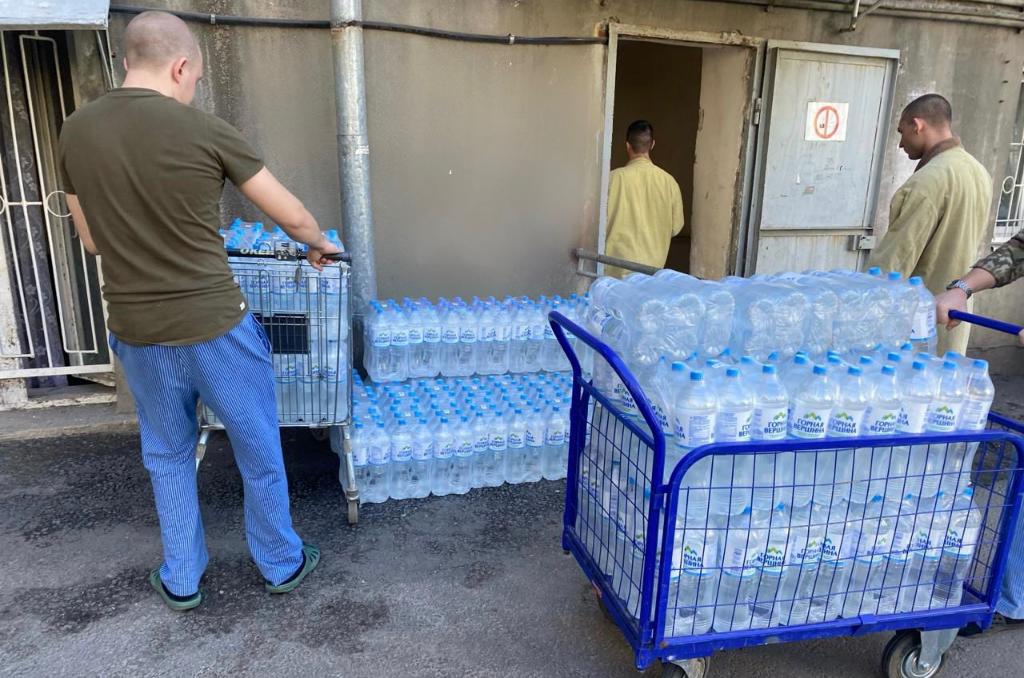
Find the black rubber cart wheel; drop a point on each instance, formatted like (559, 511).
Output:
(901, 656)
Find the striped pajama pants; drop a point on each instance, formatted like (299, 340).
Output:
(1011, 599)
(234, 376)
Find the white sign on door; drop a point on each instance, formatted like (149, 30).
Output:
(826, 121)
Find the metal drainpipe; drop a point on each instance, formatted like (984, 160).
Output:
(353, 153)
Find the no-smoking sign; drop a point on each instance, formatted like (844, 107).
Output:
(826, 121)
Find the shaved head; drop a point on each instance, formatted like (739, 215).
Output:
(932, 108)
(156, 39)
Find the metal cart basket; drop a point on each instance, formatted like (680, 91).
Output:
(305, 314)
(732, 545)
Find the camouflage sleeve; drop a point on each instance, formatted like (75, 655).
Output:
(1006, 264)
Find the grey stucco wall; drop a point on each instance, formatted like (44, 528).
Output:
(486, 159)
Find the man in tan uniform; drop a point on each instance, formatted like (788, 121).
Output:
(645, 206)
(938, 218)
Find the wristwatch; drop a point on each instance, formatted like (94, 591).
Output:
(960, 285)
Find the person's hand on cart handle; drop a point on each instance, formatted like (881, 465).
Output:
(316, 255)
(955, 298)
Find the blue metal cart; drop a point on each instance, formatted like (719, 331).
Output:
(635, 504)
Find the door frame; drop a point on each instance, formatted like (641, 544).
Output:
(741, 205)
(771, 50)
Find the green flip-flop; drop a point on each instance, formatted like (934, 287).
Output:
(177, 605)
(312, 557)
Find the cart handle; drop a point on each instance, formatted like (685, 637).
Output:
(991, 323)
(285, 252)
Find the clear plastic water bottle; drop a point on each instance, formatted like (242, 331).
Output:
(926, 542)
(518, 468)
(421, 465)
(980, 393)
(847, 421)
(962, 537)
(874, 539)
(800, 573)
(462, 475)
(769, 593)
(695, 570)
(838, 549)
(659, 393)
(556, 441)
(520, 322)
(944, 412)
(771, 407)
(497, 450)
(482, 459)
(813, 402)
(360, 457)
(377, 488)
(401, 461)
(532, 350)
(444, 456)
(918, 390)
(466, 349)
(735, 409)
(922, 332)
(743, 549)
(450, 333)
(399, 341)
(897, 561)
(694, 413)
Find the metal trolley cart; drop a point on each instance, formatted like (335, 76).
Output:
(306, 316)
(732, 545)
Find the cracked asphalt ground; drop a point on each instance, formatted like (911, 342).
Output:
(475, 585)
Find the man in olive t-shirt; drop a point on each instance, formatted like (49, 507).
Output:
(143, 172)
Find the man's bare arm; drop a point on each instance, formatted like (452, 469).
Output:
(81, 225)
(278, 203)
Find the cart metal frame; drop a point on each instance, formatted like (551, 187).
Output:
(923, 636)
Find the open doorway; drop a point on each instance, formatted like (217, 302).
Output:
(699, 98)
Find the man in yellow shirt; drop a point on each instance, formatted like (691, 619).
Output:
(938, 219)
(645, 206)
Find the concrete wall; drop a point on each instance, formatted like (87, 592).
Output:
(486, 159)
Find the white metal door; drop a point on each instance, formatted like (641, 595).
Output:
(51, 313)
(822, 139)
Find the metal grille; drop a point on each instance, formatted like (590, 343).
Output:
(305, 315)
(56, 324)
(1010, 215)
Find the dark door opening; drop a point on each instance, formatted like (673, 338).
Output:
(660, 82)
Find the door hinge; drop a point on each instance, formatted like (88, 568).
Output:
(757, 111)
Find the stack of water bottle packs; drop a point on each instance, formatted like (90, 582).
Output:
(787, 537)
(420, 339)
(303, 312)
(446, 436)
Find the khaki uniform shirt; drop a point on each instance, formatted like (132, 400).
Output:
(938, 220)
(645, 209)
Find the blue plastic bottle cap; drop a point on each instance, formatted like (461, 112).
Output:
(678, 367)
(854, 371)
(800, 359)
(893, 357)
(952, 355)
(895, 275)
(949, 365)
(918, 365)
(888, 370)
(820, 369)
(916, 281)
(980, 363)
(696, 376)
(732, 372)
(874, 270)
(768, 369)
(865, 360)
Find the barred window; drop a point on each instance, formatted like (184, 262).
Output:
(1010, 215)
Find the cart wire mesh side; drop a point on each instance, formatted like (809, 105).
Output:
(730, 545)
(304, 313)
